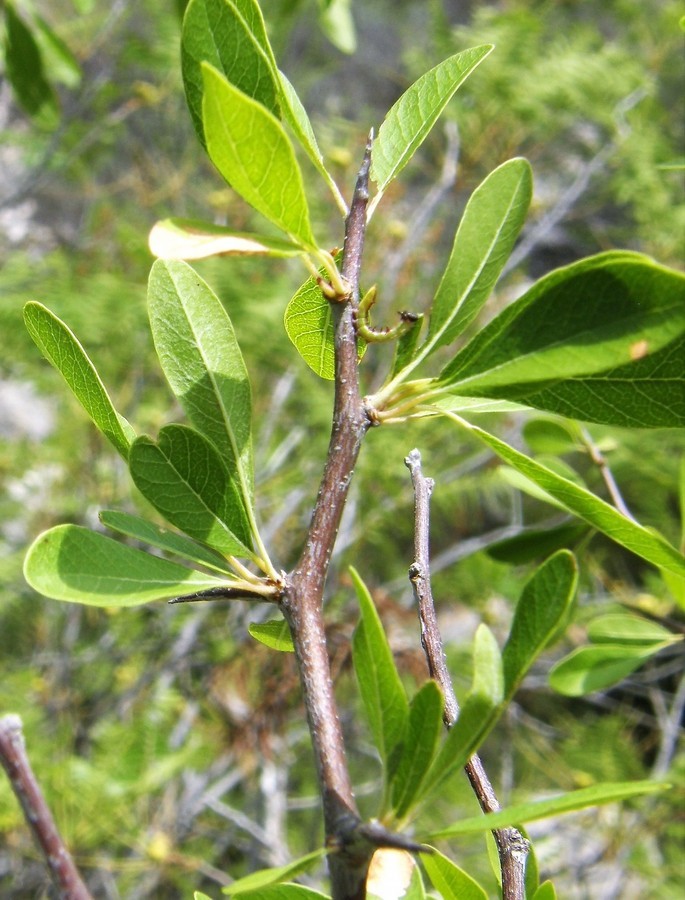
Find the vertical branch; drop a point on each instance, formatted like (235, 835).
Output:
(512, 847)
(36, 812)
(302, 598)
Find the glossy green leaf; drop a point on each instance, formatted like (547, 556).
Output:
(78, 565)
(275, 875)
(283, 892)
(308, 323)
(420, 742)
(185, 479)
(599, 666)
(230, 35)
(485, 238)
(274, 634)
(452, 882)
(622, 628)
(383, 695)
(536, 543)
(546, 891)
(582, 503)
(544, 604)
(59, 345)
(162, 538)
(250, 148)
(409, 121)
(25, 71)
(598, 794)
(594, 324)
(193, 239)
(199, 354)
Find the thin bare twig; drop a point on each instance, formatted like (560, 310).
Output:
(599, 460)
(512, 847)
(36, 812)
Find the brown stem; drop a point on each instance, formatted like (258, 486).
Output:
(512, 847)
(302, 600)
(16, 763)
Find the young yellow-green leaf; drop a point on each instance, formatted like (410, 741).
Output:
(199, 354)
(596, 795)
(72, 563)
(337, 24)
(586, 341)
(185, 479)
(623, 628)
(250, 148)
(383, 695)
(485, 238)
(308, 323)
(162, 538)
(452, 882)
(267, 877)
(409, 121)
(59, 345)
(582, 503)
(544, 604)
(546, 891)
(230, 35)
(193, 239)
(25, 70)
(274, 634)
(420, 742)
(599, 666)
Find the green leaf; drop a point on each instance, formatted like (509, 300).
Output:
(594, 668)
(184, 478)
(544, 604)
(250, 148)
(338, 25)
(308, 323)
(274, 634)
(58, 58)
(283, 892)
(530, 812)
(72, 563)
(420, 742)
(452, 882)
(582, 503)
(156, 536)
(267, 877)
(59, 345)
(486, 236)
(230, 35)
(546, 891)
(195, 239)
(406, 346)
(199, 354)
(409, 121)
(585, 334)
(535, 543)
(620, 628)
(550, 436)
(383, 695)
(25, 71)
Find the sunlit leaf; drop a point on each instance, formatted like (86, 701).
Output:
(622, 628)
(193, 239)
(598, 666)
(409, 121)
(596, 795)
(452, 882)
(250, 148)
(274, 634)
(78, 565)
(546, 891)
(59, 345)
(267, 877)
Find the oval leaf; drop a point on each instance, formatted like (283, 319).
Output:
(78, 565)
(193, 239)
(59, 345)
(250, 148)
(600, 666)
(275, 635)
(452, 882)
(620, 628)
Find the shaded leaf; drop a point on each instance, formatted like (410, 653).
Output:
(250, 148)
(596, 795)
(272, 876)
(72, 563)
(25, 71)
(59, 345)
(420, 742)
(550, 436)
(599, 666)
(157, 536)
(193, 239)
(406, 346)
(184, 478)
(452, 882)
(409, 121)
(274, 634)
(199, 354)
(383, 695)
(534, 543)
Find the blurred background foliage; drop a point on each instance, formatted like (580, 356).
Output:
(171, 746)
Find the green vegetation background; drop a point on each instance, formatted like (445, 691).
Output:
(171, 746)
